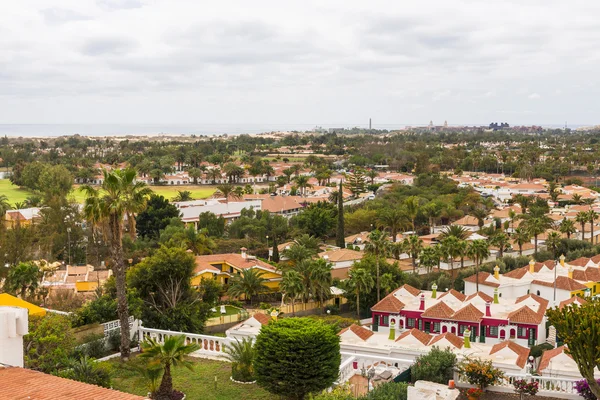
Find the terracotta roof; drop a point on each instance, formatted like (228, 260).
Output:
(440, 311)
(590, 274)
(206, 262)
(417, 334)
(526, 315)
(277, 204)
(449, 336)
(563, 283)
(548, 355)
(467, 220)
(359, 331)
(481, 276)
(389, 304)
(341, 255)
(454, 293)
(596, 259)
(522, 352)
(517, 273)
(263, 319)
(537, 298)
(579, 262)
(571, 300)
(412, 290)
(481, 294)
(468, 313)
(21, 383)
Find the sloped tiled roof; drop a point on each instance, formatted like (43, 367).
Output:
(21, 383)
(537, 298)
(440, 311)
(361, 332)
(388, 304)
(264, 319)
(461, 297)
(417, 334)
(563, 283)
(449, 336)
(410, 289)
(468, 313)
(481, 276)
(548, 355)
(205, 262)
(522, 352)
(571, 300)
(486, 297)
(579, 262)
(525, 315)
(517, 273)
(341, 255)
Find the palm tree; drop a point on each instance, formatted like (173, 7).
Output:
(428, 258)
(593, 216)
(520, 237)
(536, 223)
(480, 214)
(183, 195)
(394, 219)
(567, 226)
(412, 205)
(456, 231)
(362, 282)
(512, 216)
(4, 207)
(523, 201)
(298, 253)
(291, 286)
(478, 249)
(302, 183)
(249, 283)
(172, 353)
(582, 217)
(117, 196)
(451, 249)
(414, 245)
(308, 241)
(576, 199)
(501, 241)
(553, 243)
(372, 174)
(378, 245)
(241, 356)
(23, 278)
(462, 247)
(214, 174)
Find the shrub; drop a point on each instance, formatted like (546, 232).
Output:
(525, 387)
(388, 391)
(338, 393)
(536, 351)
(474, 393)
(49, 343)
(88, 371)
(479, 372)
(332, 309)
(583, 389)
(94, 346)
(435, 366)
(114, 340)
(297, 356)
(264, 306)
(241, 355)
(337, 322)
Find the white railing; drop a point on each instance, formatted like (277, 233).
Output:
(355, 363)
(116, 324)
(209, 345)
(563, 388)
(347, 370)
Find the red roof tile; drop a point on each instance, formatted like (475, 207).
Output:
(454, 293)
(449, 336)
(264, 319)
(570, 301)
(548, 355)
(417, 334)
(439, 311)
(517, 273)
(563, 283)
(20, 383)
(482, 276)
(388, 304)
(522, 352)
(579, 262)
(481, 294)
(468, 313)
(412, 290)
(526, 315)
(359, 331)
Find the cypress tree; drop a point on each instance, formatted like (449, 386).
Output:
(340, 237)
(275, 257)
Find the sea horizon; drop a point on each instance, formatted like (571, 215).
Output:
(140, 129)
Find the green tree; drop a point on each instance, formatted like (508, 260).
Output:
(378, 245)
(87, 370)
(501, 241)
(579, 327)
(356, 182)
(395, 219)
(520, 237)
(241, 355)
(536, 223)
(567, 226)
(156, 216)
(429, 258)
(361, 282)
(413, 245)
(340, 234)
(553, 242)
(302, 183)
(436, 366)
(55, 181)
(582, 218)
(183, 195)
(172, 353)
(118, 195)
(249, 283)
(296, 357)
(479, 250)
(451, 246)
(49, 343)
(23, 278)
(592, 216)
(292, 286)
(412, 206)
(456, 231)
(318, 219)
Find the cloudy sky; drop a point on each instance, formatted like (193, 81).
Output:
(299, 62)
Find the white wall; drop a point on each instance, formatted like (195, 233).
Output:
(13, 326)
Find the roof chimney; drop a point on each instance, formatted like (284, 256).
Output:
(13, 326)
(531, 266)
(497, 272)
(571, 272)
(434, 291)
(488, 309)
(422, 306)
(467, 338)
(243, 252)
(496, 301)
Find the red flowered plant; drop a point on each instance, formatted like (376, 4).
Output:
(525, 387)
(474, 393)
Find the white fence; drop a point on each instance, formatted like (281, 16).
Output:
(209, 345)
(562, 388)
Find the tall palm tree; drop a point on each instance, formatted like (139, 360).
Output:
(567, 226)
(512, 216)
(214, 174)
(593, 216)
(479, 250)
(414, 244)
(249, 283)
(456, 231)
(536, 224)
(428, 258)
(362, 282)
(4, 207)
(372, 174)
(377, 245)
(553, 243)
(582, 217)
(412, 206)
(576, 199)
(394, 219)
(480, 214)
(520, 237)
(302, 183)
(292, 286)
(172, 353)
(298, 253)
(183, 195)
(451, 249)
(118, 195)
(462, 247)
(501, 241)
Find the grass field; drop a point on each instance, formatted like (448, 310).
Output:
(230, 311)
(15, 194)
(196, 384)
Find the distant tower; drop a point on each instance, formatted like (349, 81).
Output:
(369, 123)
(431, 124)
(445, 124)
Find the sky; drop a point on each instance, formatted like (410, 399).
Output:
(299, 62)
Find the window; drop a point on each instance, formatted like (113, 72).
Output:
(231, 270)
(538, 292)
(410, 322)
(436, 326)
(385, 320)
(493, 331)
(462, 328)
(520, 332)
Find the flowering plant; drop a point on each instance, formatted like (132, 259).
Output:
(474, 393)
(524, 387)
(480, 373)
(583, 388)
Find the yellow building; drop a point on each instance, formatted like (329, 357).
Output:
(223, 267)
(12, 301)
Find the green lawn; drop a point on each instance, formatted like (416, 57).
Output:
(230, 311)
(196, 384)
(15, 194)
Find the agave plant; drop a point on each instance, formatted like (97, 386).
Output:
(241, 355)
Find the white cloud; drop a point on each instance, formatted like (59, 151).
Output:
(296, 61)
